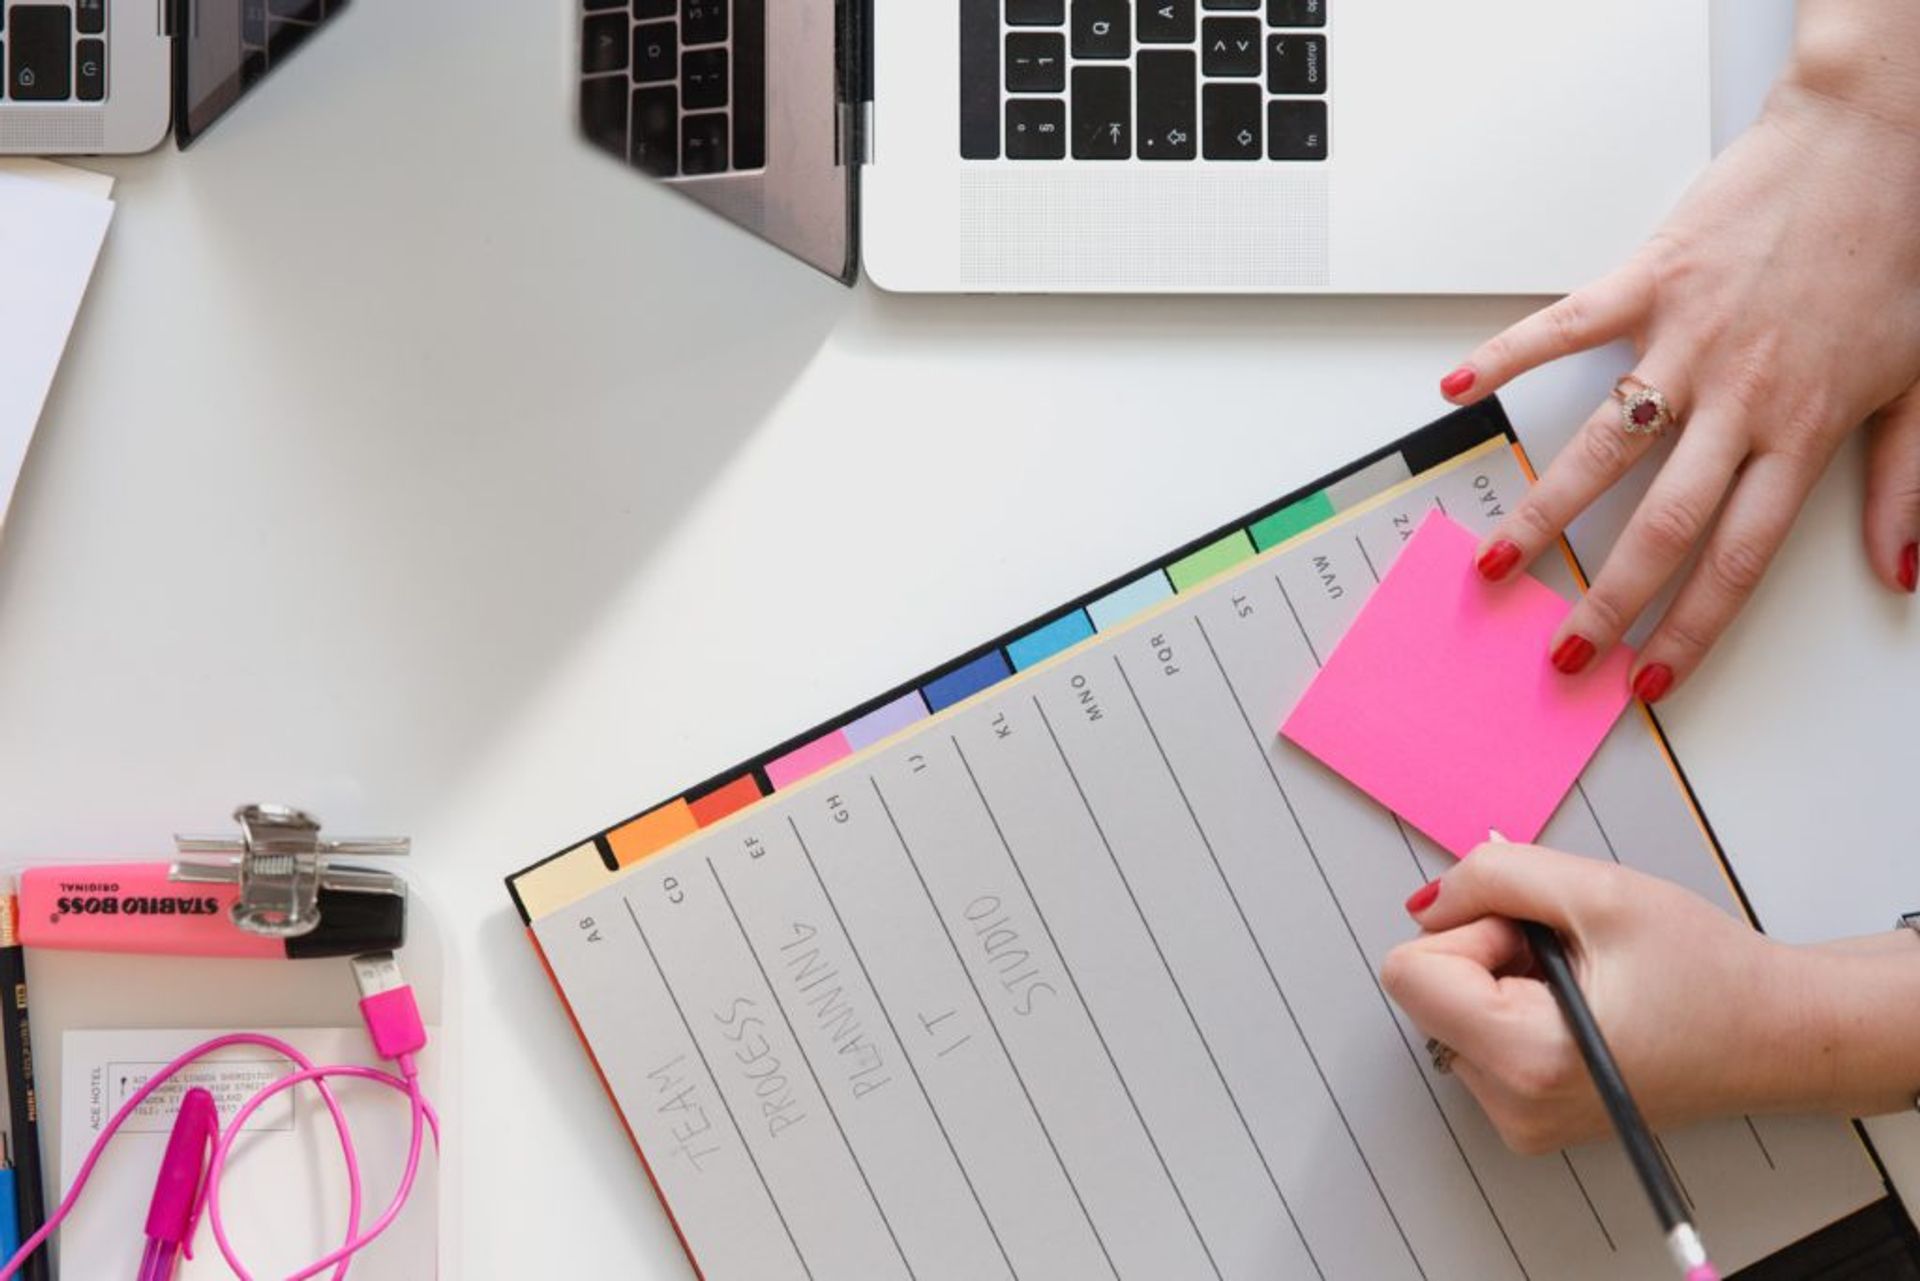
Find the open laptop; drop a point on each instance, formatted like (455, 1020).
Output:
(1346, 146)
(106, 76)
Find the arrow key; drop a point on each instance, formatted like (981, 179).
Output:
(1230, 47)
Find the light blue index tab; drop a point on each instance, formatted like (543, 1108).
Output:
(1122, 603)
(1043, 643)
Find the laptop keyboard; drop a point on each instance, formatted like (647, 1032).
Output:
(677, 88)
(1232, 80)
(54, 52)
(57, 52)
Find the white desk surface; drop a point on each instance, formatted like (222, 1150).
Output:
(412, 464)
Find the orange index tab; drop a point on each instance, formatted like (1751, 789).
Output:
(654, 830)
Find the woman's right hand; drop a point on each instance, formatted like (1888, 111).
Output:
(1706, 1016)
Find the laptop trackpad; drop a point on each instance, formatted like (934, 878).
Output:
(1143, 228)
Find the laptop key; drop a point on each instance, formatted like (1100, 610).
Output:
(1036, 13)
(40, 53)
(1230, 47)
(656, 51)
(1102, 29)
(1036, 129)
(603, 43)
(592, 5)
(1167, 109)
(654, 146)
(703, 79)
(90, 17)
(1230, 121)
(1165, 22)
(643, 10)
(703, 143)
(749, 84)
(1036, 62)
(980, 79)
(1296, 13)
(1296, 64)
(1231, 4)
(603, 113)
(1102, 113)
(90, 67)
(703, 21)
(1297, 129)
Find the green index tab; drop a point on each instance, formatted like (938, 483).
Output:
(1288, 521)
(1215, 558)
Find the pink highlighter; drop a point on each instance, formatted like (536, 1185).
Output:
(175, 1209)
(149, 908)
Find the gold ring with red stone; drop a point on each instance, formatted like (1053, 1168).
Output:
(1644, 411)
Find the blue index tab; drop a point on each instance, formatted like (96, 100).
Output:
(1122, 603)
(9, 1216)
(964, 682)
(1043, 643)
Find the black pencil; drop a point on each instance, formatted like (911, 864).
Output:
(1683, 1239)
(23, 1102)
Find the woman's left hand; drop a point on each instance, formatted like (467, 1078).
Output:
(1778, 309)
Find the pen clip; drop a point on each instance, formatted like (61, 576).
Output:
(281, 864)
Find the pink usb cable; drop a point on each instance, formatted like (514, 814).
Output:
(393, 1021)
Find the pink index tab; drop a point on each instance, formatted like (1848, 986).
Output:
(1441, 704)
(809, 758)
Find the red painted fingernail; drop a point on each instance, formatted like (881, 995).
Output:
(1653, 682)
(1498, 561)
(1422, 898)
(1910, 567)
(1573, 654)
(1458, 383)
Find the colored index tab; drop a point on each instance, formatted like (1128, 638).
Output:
(1122, 603)
(1296, 518)
(1441, 704)
(654, 830)
(886, 721)
(1042, 643)
(1215, 558)
(964, 682)
(808, 758)
(728, 798)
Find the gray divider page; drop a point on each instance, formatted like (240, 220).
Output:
(1079, 979)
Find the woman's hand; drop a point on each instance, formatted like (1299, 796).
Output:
(1705, 1015)
(1777, 309)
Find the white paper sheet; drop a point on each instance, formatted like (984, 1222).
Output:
(284, 1195)
(51, 229)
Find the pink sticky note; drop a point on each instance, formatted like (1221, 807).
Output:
(1440, 702)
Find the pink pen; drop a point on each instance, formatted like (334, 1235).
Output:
(174, 1212)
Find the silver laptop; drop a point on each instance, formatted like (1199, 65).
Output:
(105, 76)
(1345, 146)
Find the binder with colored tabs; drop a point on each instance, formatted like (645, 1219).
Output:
(1060, 962)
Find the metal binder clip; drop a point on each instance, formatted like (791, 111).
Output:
(281, 865)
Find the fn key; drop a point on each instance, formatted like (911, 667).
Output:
(1297, 130)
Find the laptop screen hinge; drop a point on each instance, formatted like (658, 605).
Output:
(856, 133)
